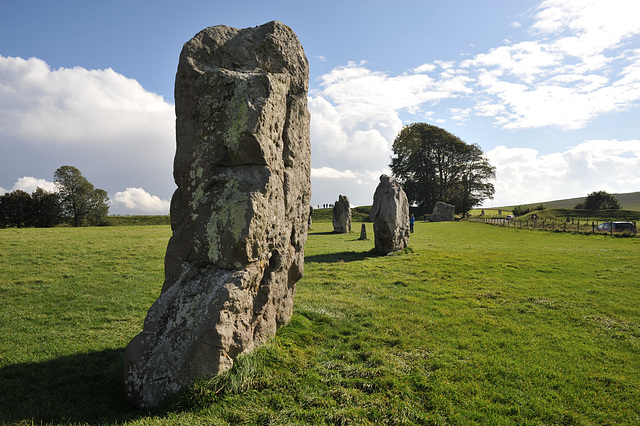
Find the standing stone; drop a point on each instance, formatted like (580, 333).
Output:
(443, 212)
(239, 215)
(342, 215)
(390, 216)
(363, 232)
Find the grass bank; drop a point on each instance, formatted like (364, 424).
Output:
(472, 325)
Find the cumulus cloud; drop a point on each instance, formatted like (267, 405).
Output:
(115, 132)
(580, 68)
(579, 64)
(329, 173)
(139, 200)
(525, 176)
(355, 116)
(30, 184)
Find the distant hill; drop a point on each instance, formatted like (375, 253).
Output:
(629, 201)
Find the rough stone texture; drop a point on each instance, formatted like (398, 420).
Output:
(363, 233)
(390, 216)
(342, 215)
(442, 212)
(239, 215)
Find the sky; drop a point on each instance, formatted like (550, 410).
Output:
(549, 90)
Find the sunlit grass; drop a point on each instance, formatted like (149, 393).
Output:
(472, 325)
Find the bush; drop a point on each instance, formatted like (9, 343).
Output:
(522, 210)
(601, 200)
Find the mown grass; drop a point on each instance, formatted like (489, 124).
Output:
(472, 325)
(138, 220)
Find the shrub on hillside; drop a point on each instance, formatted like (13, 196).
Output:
(522, 210)
(601, 200)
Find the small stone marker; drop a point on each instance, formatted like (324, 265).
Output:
(363, 232)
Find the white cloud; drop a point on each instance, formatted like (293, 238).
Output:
(329, 173)
(30, 184)
(359, 186)
(424, 68)
(572, 75)
(70, 106)
(355, 116)
(115, 132)
(139, 200)
(524, 176)
(594, 26)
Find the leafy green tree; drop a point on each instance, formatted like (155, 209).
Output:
(434, 165)
(80, 200)
(46, 209)
(601, 200)
(99, 207)
(15, 209)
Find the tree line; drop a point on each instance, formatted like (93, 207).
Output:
(75, 201)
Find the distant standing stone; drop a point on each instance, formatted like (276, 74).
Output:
(443, 212)
(240, 213)
(342, 215)
(390, 216)
(363, 232)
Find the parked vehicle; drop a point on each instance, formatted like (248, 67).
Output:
(617, 227)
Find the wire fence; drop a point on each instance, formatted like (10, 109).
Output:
(558, 225)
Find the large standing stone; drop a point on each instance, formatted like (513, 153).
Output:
(239, 215)
(342, 215)
(390, 216)
(442, 212)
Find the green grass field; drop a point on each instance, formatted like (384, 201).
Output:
(473, 324)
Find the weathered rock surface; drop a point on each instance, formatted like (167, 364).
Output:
(442, 212)
(239, 215)
(390, 216)
(342, 215)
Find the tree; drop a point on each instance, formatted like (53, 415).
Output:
(601, 200)
(79, 198)
(434, 165)
(15, 209)
(46, 209)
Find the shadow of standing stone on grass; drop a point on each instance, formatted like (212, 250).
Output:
(79, 388)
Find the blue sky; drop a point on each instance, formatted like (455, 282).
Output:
(550, 90)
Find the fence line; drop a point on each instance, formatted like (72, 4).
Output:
(554, 225)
